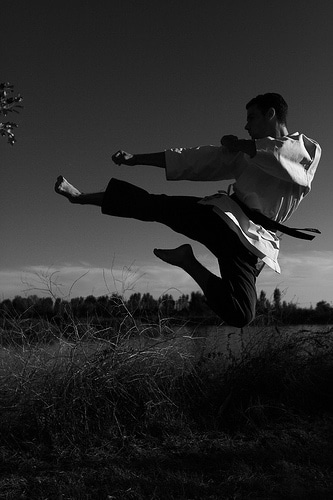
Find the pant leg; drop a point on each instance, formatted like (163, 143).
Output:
(183, 214)
(233, 297)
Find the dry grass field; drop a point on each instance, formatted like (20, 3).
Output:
(164, 414)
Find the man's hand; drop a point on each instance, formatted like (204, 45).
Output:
(235, 145)
(230, 142)
(123, 158)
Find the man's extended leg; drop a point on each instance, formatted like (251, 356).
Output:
(233, 297)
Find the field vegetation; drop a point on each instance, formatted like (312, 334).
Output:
(125, 411)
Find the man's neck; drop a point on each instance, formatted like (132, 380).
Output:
(280, 130)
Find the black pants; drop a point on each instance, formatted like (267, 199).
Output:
(232, 297)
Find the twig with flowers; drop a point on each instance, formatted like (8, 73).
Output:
(8, 104)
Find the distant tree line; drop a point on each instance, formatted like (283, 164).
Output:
(145, 306)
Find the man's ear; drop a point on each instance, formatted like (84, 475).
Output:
(271, 113)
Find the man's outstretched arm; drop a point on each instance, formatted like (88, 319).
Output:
(153, 159)
(230, 142)
(203, 163)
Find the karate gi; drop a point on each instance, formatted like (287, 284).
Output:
(274, 182)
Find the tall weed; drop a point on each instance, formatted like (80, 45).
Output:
(80, 391)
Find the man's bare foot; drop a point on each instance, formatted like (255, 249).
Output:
(180, 256)
(63, 187)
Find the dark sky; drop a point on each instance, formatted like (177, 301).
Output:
(143, 76)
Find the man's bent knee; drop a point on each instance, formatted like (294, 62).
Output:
(235, 311)
(237, 317)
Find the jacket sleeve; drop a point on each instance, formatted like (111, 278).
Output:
(203, 163)
(292, 159)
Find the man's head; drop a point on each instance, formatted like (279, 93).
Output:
(266, 113)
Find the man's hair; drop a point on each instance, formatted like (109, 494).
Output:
(271, 100)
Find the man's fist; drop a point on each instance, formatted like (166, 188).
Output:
(123, 158)
(230, 142)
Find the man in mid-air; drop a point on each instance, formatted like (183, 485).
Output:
(273, 172)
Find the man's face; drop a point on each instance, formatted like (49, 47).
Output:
(258, 125)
